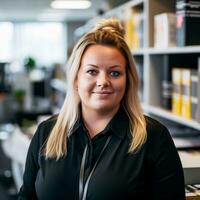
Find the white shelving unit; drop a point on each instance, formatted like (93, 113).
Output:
(139, 52)
(174, 50)
(168, 115)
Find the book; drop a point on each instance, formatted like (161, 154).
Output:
(166, 92)
(140, 69)
(194, 95)
(165, 30)
(186, 93)
(177, 91)
(134, 22)
(138, 23)
(198, 93)
(187, 22)
(128, 25)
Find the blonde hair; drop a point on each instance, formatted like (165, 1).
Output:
(106, 32)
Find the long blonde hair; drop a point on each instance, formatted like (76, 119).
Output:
(106, 32)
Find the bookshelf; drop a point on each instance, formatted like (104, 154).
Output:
(152, 61)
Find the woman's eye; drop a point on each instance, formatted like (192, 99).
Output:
(114, 73)
(92, 72)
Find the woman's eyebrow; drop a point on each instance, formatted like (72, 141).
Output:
(92, 65)
(114, 66)
(96, 66)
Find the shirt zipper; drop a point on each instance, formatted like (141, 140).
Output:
(84, 188)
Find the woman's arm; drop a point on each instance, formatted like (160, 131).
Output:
(166, 177)
(27, 191)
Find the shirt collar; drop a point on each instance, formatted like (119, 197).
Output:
(77, 125)
(119, 124)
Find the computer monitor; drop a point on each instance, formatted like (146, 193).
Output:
(39, 89)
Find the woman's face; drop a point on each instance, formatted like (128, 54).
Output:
(101, 79)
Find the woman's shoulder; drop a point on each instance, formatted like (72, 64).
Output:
(153, 123)
(50, 121)
(156, 130)
(159, 141)
(44, 128)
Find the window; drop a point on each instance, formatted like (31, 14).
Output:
(45, 42)
(6, 41)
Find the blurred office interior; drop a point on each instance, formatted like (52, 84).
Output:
(35, 42)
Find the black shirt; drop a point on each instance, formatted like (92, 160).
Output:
(154, 172)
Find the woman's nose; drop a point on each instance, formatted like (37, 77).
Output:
(103, 80)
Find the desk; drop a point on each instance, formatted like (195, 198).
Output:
(190, 160)
(16, 148)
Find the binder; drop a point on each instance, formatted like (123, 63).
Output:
(198, 93)
(128, 25)
(186, 93)
(194, 94)
(166, 93)
(177, 91)
(187, 23)
(165, 30)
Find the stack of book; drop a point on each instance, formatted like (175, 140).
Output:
(186, 92)
(187, 22)
(134, 22)
(165, 30)
(177, 91)
(198, 92)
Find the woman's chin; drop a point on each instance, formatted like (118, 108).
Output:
(105, 108)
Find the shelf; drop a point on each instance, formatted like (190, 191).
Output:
(112, 13)
(174, 50)
(168, 115)
(123, 7)
(171, 50)
(138, 52)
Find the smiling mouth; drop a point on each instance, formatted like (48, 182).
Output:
(102, 93)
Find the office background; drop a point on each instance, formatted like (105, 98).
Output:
(36, 41)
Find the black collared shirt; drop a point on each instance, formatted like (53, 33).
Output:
(154, 172)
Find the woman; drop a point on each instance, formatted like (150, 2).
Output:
(101, 146)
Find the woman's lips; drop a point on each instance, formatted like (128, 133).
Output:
(102, 94)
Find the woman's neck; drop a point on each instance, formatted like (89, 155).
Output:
(95, 122)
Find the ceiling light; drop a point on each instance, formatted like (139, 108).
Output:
(74, 4)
